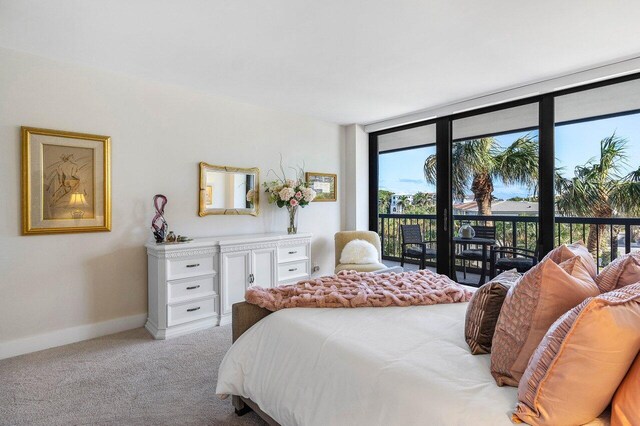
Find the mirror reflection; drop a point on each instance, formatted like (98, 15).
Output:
(228, 190)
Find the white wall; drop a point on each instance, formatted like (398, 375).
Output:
(356, 177)
(63, 285)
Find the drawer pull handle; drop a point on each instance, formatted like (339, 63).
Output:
(293, 269)
(193, 309)
(193, 287)
(292, 252)
(193, 265)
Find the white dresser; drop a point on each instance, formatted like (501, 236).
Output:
(193, 285)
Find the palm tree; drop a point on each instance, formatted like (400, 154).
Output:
(423, 203)
(384, 201)
(422, 199)
(478, 162)
(403, 201)
(598, 190)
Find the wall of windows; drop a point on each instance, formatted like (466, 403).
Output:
(550, 169)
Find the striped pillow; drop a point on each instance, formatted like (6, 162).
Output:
(484, 309)
(623, 271)
(582, 359)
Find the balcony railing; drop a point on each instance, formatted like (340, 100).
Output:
(613, 236)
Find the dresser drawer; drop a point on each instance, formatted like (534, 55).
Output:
(291, 253)
(193, 287)
(293, 271)
(184, 268)
(179, 313)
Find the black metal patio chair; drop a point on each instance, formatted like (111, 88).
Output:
(414, 247)
(506, 258)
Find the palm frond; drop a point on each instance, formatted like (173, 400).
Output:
(625, 194)
(469, 159)
(430, 169)
(612, 157)
(518, 163)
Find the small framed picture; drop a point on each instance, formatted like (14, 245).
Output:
(325, 185)
(66, 182)
(208, 196)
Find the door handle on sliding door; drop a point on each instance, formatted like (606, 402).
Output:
(446, 220)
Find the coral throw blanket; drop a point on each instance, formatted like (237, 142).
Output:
(351, 289)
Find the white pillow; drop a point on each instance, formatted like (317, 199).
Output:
(359, 252)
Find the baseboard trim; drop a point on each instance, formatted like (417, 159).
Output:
(181, 329)
(65, 336)
(225, 319)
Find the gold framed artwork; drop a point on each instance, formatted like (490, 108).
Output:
(66, 182)
(325, 185)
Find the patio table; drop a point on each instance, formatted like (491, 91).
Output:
(486, 243)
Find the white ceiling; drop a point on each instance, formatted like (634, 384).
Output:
(345, 61)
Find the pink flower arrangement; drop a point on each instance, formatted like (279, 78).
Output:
(289, 192)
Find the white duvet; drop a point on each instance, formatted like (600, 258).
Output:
(366, 366)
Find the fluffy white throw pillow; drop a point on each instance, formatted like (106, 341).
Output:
(359, 252)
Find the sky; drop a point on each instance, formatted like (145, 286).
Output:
(577, 143)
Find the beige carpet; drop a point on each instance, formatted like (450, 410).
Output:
(122, 379)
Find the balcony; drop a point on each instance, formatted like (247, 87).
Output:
(612, 236)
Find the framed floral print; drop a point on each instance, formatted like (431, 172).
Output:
(66, 182)
(325, 185)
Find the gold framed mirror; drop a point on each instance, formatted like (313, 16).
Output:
(229, 190)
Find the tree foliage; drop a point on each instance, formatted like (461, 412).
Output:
(598, 189)
(476, 163)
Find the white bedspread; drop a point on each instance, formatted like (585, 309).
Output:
(366, 366)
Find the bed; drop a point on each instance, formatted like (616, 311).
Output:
(364, 366)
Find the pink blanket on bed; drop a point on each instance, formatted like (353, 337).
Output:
(351, 289)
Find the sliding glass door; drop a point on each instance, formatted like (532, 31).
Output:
(494, 187)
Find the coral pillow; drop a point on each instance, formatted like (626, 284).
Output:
(541, 296)
(579, 364)
(567, 251)
(623, 271)
(625, 409)
(484, 309)
(359, 252)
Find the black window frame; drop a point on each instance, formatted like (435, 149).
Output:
(444, 142)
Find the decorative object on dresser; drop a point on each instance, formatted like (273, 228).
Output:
(158, 223)
(325, 185)
(193, 285)
(290, 193)
(229, 190)
(66, 182)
